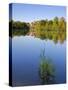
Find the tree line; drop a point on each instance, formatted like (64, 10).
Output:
(41, 28)
(19, 28)
(49, 25)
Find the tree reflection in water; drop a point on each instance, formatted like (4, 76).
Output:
(46, 70)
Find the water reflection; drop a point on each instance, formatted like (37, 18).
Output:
(30, 69)
(51, 35)
(46, 70)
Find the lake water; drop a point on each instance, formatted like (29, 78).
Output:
(26, 52)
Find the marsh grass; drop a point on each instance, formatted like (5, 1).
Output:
(46, 69)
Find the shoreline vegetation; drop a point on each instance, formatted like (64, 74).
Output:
(54, 29)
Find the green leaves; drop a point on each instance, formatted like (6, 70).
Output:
(19, 28)
(46, 69)
(50, 29)
(54, 29)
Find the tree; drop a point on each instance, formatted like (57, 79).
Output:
(55, 24)
(62, 24)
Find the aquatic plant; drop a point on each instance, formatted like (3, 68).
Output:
(46, 69)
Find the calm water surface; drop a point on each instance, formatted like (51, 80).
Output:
(26, 52)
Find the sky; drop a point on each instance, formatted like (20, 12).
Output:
(33, 12)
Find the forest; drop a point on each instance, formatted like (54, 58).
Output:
(52, 29)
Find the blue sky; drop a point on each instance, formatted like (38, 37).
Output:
(31, 12)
